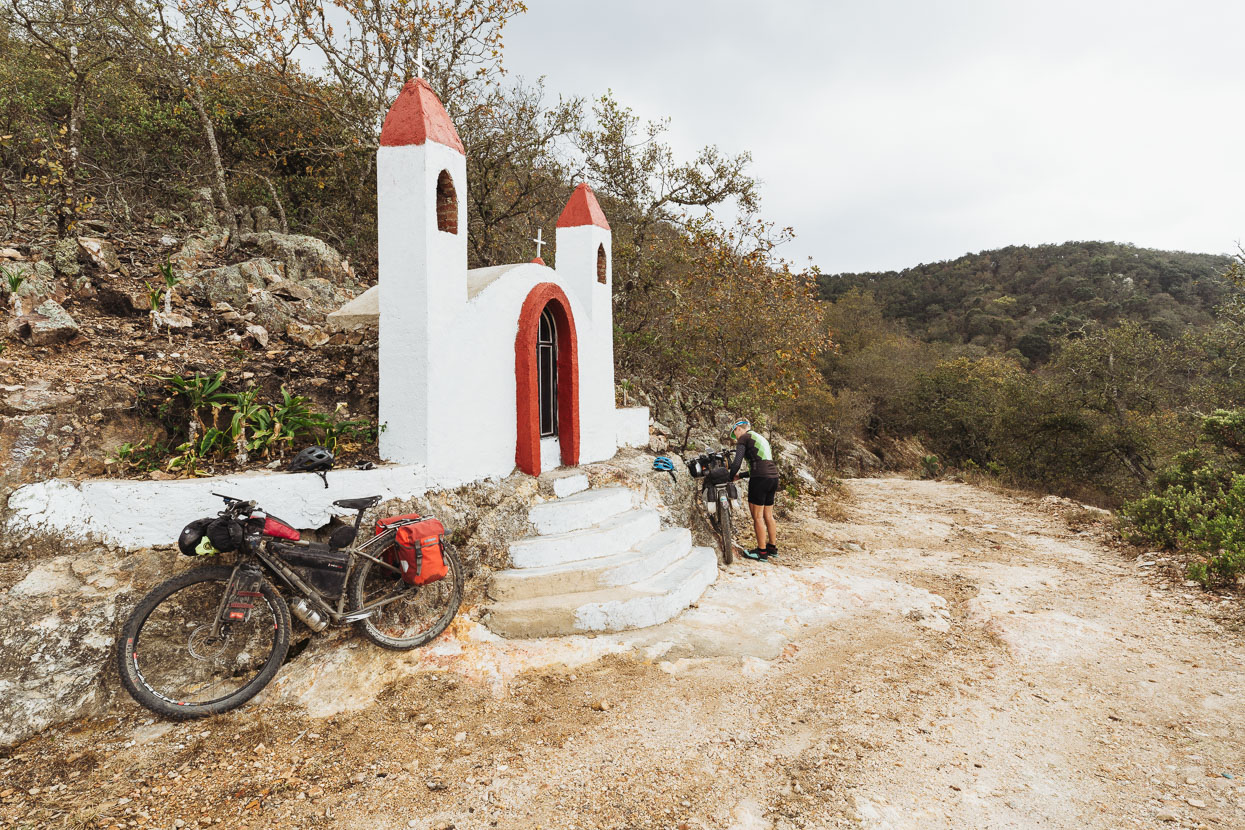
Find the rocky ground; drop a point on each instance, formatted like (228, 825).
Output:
(923, 655)
(82, 347)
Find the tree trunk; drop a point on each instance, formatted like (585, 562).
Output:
(219, 189)
(66, 216)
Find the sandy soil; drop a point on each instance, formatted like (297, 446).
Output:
(923, 655)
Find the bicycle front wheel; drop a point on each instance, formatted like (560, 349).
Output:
(416, 614)
(171, 662)
(724, 524)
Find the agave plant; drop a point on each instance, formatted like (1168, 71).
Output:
(14, 280)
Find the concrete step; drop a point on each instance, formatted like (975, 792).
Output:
(564, 483)
(648, 557)
(614, 535)
(648, 602)
(581, 510)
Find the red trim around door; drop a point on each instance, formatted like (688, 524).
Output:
(527, 447)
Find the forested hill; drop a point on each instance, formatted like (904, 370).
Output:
(1028, 297)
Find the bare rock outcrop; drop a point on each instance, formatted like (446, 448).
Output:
(48, 324)
(57, 625)
(304, 257)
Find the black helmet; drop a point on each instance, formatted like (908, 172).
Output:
(192, 535)
(311, 460)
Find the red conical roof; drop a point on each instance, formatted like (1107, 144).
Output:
(417, 117)
(582, 209)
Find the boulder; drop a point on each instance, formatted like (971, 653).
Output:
(49, 323)
(284, 301)
(35, 396)
(227, 314)
(230, 284)
(263, 220)
(290, 290)
(57, 625)
(99, 253)
(203, 210)
(122, 300)
(65, 258)
(305, 257)
(259, 334)
(11, 253)
(197, 250)
(172, 320)
(304, 335)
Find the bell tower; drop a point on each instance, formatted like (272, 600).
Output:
(421, 183)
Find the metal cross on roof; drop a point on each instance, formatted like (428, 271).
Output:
(539, 240)
(419, 62)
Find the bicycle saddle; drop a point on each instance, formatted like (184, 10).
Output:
(358, 504)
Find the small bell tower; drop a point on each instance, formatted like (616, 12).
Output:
(421, 183)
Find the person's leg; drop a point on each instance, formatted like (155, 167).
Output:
(758, 523)
(771, 526)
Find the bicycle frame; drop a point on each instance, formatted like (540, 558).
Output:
(260, 549)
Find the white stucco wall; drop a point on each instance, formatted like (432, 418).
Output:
(473, 380)
(422, 287)
(632, 426)
(134, 514)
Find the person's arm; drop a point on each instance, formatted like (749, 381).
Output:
(741, 449)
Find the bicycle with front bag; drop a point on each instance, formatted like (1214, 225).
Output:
(208, 640)
(719, 495)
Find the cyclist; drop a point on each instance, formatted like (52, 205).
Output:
(762, 485)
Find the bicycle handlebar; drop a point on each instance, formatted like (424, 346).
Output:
(237, 506)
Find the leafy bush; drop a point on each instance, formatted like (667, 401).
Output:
(1199, 504)
(214, 423)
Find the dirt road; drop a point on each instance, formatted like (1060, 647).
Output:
(924, 655)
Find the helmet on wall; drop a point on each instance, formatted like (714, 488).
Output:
(311, 460)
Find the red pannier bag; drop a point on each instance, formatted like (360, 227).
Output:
(417, 551)
(405, 519)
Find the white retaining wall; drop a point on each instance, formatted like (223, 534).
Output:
(137, 514)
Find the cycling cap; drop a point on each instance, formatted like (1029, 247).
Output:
(742, 422)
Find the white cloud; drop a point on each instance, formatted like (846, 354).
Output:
(893, 133)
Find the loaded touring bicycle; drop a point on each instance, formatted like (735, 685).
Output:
(208, 640)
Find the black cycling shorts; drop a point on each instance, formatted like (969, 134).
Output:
(761, 491)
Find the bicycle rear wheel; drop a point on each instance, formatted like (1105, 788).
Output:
(171, 663)
(418, 615)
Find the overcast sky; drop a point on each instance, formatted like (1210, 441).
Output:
(894, 132)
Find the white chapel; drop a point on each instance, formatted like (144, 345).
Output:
(488, 369)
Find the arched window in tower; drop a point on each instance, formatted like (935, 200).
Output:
(447, 203)
(601, 264)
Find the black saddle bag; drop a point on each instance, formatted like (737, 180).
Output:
(318, 564)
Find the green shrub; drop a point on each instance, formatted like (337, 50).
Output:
(1199, 504)
(213, 423)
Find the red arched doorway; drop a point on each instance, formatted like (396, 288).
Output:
(560, 377)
